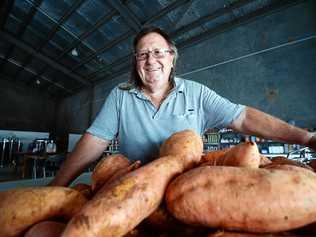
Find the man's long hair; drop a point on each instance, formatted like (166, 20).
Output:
(135, 80)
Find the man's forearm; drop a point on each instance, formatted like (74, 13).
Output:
(255, 122)
(87, 150)
(71, 168)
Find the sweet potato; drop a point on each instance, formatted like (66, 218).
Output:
(118, 208)
(21, 208)
(235, 234)
(105, 168)
(281, 160)
(85, 189)
(244, 199)
(312, 164)
(287, 167)
(161, 219)
(264, 161)
(186, 144)
(122, 171)
(214, 157)
(242, 155)
(46, 229)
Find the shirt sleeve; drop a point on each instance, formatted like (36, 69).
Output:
(105, 125)
(219, 111)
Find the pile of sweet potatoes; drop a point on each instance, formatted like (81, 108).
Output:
(234, 192)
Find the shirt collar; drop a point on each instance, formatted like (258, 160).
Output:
(179, 87)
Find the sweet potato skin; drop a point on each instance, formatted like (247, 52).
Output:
(242, 155)
(220, 197)
(281, 160)
(235, 234)
(161, 219)
(21, 208)
(106, 168)
(83, 188)
(119, 207)
(185, 144)
(46, 229)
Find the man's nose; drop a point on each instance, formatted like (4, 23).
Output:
(150, 58)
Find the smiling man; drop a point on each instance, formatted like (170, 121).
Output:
(154, 104)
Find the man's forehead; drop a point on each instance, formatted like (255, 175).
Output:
(151, 40)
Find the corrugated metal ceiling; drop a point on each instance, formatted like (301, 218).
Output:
(67, 45)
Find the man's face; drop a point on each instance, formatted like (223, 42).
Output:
(154, 71)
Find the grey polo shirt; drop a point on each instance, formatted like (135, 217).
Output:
(141, 128)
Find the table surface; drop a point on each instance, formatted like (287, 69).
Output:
(83, 178)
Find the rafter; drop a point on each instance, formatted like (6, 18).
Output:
(66, 15)
(20, 44)
(276, 6)
(160, 14)
(126, 14)
(5, 9)
(32, 71)
(22, 28)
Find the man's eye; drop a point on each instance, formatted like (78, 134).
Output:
(142, 54)
(158, 52)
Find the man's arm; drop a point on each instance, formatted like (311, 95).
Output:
(254, 122)
(88, 149)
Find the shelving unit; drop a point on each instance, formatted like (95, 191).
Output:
(225, 138)
(113, 148)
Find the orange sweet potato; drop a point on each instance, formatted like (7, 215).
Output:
(242, 155)
(105, 168)
(161, 219)
(46, 229)
(122, 171)
(264, 161)
(235, 234)
(186, 144)
(244, 199)
(281, 160)
(119, 207)
(21, 208)
(83, 188)
(214, 157)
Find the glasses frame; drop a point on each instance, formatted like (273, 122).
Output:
(147, 52)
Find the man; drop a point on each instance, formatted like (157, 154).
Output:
(154, 104)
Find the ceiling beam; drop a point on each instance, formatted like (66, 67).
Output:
(51, 34)
(268, 9)
(104, 48)
(31, 71)
(160, 14)
(165, 10)
(188, 27)
(86, 34)
(22, 28)
(276, 6)
(5, 9)
(20, 44)
(126, 14)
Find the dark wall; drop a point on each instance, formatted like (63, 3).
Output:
(22, 108)
(268, 63)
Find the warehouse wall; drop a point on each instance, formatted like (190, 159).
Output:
(280, 81)
(35, 112)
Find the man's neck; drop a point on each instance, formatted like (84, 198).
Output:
(157, 96)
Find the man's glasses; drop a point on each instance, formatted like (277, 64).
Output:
(156, 53)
